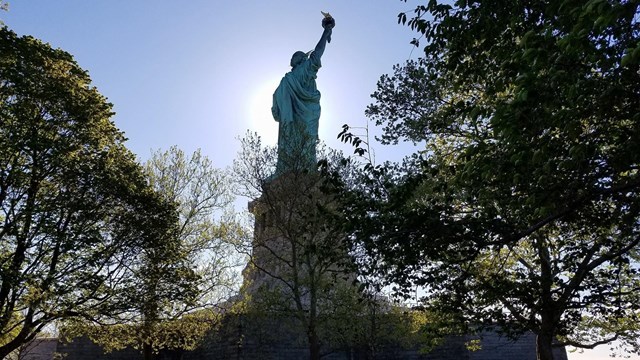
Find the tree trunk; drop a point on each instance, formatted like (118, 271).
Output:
(147, 351)
(14, 344)
(175, 354)
(544, 346)
(544, 340)
(314, 345)
(314, 341)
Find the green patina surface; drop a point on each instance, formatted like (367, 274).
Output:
(296, 107)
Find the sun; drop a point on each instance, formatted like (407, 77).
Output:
(259, 112)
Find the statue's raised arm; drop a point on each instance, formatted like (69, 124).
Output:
(296, 106)
(327, 23)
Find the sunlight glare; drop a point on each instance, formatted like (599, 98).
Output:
(260, 118)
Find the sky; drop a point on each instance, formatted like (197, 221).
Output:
(199, 74)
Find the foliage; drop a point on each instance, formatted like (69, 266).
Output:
(372, 325)
(522, 209)
(192, 269)
(75, 204)
(184, 333)
(299, 263)
(4, 6)
(377, 325)
(201, 243)
(301, 269)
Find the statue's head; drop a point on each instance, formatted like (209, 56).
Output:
(297, 58)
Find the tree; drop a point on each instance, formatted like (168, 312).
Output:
(194, 269)
(4, 6)
(301, 271)
(523, 209)
(75, 203)
(299, 263)
(201, 257)
(171, 337)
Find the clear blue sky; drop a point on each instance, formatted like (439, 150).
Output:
(200, 73)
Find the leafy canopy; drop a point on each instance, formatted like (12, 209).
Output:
(522, 208)
(74, 203)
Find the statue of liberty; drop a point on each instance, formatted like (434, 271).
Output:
(296, 106)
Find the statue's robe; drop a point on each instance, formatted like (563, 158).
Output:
(296, 106)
